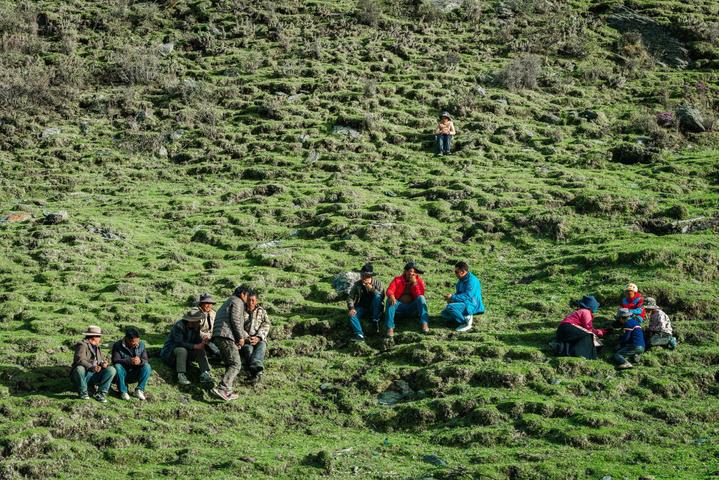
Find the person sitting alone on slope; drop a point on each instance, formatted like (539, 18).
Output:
(659, 332)
(631, 344)
(467, 299)
(444, 132)
(365, 300)
(576, 335)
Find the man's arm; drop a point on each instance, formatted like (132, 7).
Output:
(118, 358)
(82, 357)
(237, 320)
(178, 339)
(264, 328)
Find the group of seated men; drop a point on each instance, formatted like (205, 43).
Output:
(405, 297)
(577, 336)
(237, 333)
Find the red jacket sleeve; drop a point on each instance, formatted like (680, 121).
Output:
(587, 322)
(418, 288)
(391, 290)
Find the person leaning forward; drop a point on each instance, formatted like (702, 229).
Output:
(365, 300)
(257, 327)
(90, 368)
(129, 358)
(185, 343)
(229, 335)
(467, 299)
(405, 296)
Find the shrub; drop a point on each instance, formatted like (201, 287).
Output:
(135, 65)
(369, 12)
(522, 72)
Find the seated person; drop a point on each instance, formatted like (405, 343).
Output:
(256, 327)
(205, 305)
(631, 343)
(467, 299)
(659, 333)
(405, 296)
(365, 300)
(633, 301)
(90, 368)
(131, 363)
(576, 335)
(185, 344)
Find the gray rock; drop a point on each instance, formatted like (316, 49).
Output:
(106, 233)
(345, 131)
(166, 49)
(551, 119)
(50, 132)
(690, 119)
(162, 151)
(434, 460)
(342, 283)
(390, 397)
(84, 128)
(54, 218)
(313, 156)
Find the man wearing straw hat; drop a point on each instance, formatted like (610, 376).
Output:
(90, 368)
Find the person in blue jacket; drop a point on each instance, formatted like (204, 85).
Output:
(466, 301)
(632, 341)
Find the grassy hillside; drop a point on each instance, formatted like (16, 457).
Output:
(196, 145)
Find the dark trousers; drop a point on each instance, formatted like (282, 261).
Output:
(253, 357)
(626, 351)
(575, 342)
(444, 142)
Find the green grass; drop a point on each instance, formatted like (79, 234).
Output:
(215, 164)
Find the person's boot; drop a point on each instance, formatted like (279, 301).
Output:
(624, 366)
(425, 328)
(182, 379)
(390, 332)
(376, 327)
(206, 378)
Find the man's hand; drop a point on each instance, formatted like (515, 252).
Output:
(254, 340)
(240, 343)
(136, 360)
(352, 312)
(199, 346)
(391, 300)
(103, 365)
(96, 368)
(413, 280)
(448, 297)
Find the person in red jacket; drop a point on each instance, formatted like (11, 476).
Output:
(633, 301)
(405, 296)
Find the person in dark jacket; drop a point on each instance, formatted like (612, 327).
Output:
(229, 336)
(185, 344)
(576, 335)
(365, 300)
(90, 368)
(467, 299)
(632, 341)
(131, 363)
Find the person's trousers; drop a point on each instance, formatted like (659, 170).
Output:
(444, 142)
(140, 374)
(619, 355)
(455, 312)
(231, 357)
(83, 378)
(182, 355)
(418, 306)
(660, 339)
(375, 312)
(575, 342)
(253, 357)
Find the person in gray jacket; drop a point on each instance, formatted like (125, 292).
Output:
(229, 335)
(90, 367)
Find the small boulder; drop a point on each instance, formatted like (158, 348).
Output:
(690, 119)
(342, 283)
(54, 218)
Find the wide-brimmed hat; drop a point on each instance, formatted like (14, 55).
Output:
(194, 316)
(206, 298)
(650, 304)
(93, 331)
(446, 114)
(624, 312)
(414, 266)
(631, 287)
(367, 270)
(589, 302)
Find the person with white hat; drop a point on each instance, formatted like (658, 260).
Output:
(90, 367)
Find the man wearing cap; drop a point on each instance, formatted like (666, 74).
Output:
(467, 299)
(576, 335)
(89, 366)
(631, 344)
(131, 363)
(206, 305)
(445, 131)
(229, 336)
(405, 296)
(365, 300)
(256, 327)
(633, 301)
(659, 333)
(185, 343)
